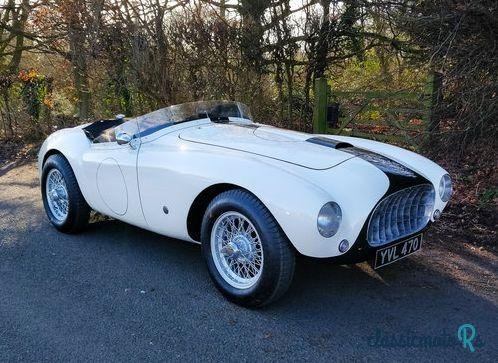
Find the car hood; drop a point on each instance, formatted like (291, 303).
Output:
(284, 145)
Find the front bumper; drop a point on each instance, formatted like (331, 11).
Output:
(361, 251)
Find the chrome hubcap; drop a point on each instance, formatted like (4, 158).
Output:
(57, 195)
(236, 249)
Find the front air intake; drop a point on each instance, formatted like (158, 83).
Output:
(401, 214)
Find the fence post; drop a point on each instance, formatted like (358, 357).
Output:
(320, 108)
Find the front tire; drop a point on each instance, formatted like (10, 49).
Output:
(64, 204)
(248, 256)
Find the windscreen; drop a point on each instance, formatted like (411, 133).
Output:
(165, 117)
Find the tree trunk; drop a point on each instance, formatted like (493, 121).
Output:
(76, 16)
(307, 93)
(223, 9)
(323, 41)
(9, 131)
(289, 70)
(80, 72)
(19, 23)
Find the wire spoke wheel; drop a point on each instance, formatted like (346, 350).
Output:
(237, 250)
(57, 194)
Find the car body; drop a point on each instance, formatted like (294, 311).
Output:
(160, 172)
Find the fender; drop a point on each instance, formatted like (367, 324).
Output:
(71, 143)
(418, 163)
(291, 193)
(167, 168)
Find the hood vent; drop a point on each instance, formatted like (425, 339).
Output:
(324, 141)
(385, 164)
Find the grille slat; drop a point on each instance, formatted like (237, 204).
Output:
(408, 209)
(401, 214)
(400, 223)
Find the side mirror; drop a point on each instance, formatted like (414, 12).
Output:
(123, 138)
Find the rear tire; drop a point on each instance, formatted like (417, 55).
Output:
(64, 204)
(248, 256)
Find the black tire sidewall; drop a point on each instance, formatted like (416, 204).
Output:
(270, 237)
(62, 165)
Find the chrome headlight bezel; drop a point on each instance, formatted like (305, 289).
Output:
(445, 188)
(329, 219)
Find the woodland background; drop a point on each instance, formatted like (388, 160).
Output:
(64, 62)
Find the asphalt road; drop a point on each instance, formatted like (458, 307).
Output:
(119, 293)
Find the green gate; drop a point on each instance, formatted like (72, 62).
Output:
(404, 117)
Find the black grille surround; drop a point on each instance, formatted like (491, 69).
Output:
(400, 178)
(362, 250)
(401, 214)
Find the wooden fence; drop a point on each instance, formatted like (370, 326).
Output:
(404, 116)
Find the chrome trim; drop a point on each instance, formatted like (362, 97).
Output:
(237, 250)
(401, 214)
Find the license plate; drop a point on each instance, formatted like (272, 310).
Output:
(397, 251)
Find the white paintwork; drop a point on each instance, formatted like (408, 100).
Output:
(298, 152)
(423, 166)
(293, 178)
(114, 194)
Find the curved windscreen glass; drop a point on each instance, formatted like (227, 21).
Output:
(165, 117)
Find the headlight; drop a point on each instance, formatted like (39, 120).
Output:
(445, 188)
(329, 219)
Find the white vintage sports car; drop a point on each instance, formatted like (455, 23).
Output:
(254, 196)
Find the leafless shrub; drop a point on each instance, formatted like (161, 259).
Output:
(460, 39)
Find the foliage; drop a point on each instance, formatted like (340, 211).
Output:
(97, 58)
(488, 195)
(460, 39)
(36, 92)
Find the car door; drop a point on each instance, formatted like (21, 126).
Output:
(113, 167)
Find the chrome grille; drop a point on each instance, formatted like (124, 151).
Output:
(401, 214)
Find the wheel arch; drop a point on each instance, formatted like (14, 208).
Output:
(49, 153)
(201, 202)
(70, 143)
(43, 157)
(77, 210)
